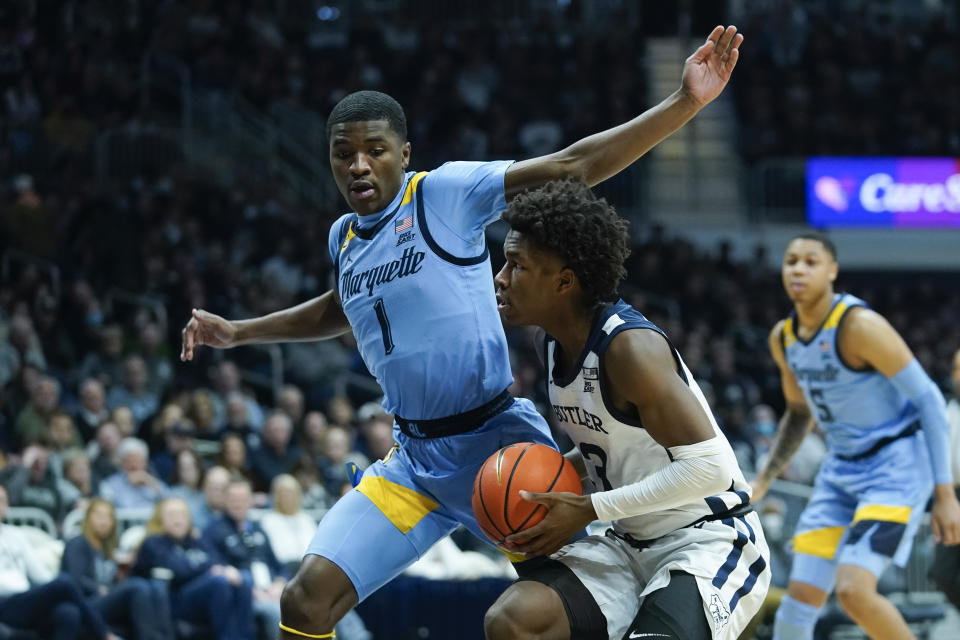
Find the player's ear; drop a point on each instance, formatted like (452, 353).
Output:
(566, 281)
(834, 270)
(405, 154)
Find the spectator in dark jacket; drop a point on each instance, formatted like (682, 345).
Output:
(237, 541)
(201, 591)
(137, 603)
(277, 454)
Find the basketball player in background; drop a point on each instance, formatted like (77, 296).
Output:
(843, 365)
(685, 557)
(413, 284)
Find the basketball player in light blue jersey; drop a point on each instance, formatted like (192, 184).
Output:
(413, 284)
(843, 366)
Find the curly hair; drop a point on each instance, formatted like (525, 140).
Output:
(565, 218)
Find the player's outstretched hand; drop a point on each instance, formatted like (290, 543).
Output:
(707, 70)
(567, 515)
(945, 520)
(209, 329)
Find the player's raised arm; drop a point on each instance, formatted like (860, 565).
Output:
(316, 319)
(867, 337)
(602, 155)
(795, 423)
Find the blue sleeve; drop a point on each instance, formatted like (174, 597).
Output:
(913, 382)
(461, 199)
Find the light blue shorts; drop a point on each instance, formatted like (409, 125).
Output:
(415, 496)
(863, 513)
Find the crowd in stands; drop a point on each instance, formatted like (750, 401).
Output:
(834, 78)
(97, 413)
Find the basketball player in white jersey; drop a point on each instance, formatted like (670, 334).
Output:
(685, 556)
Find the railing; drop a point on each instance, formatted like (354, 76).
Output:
(31, 517)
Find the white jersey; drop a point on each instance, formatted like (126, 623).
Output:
(617, 449)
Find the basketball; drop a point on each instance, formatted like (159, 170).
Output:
(497, 504)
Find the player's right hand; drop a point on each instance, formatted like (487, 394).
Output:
(209, 329)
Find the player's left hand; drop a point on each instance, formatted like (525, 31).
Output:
(945, 518)
(707, 70)
(567, 514)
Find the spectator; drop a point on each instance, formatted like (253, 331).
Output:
(340, 411)
(77, 485)
(236, 541)
(31, 423)
(215, 482)
(107, 364)
(136, 603)
(226, 381)
(377, 434)
(314, 492)
(334, 454)
(233, 455)
(61, 435)
(133, 486)
(93, 408)
(185, 481)
(291, 403)
(35, 485)
(156, 357)
(314, 426)
(288, 527)
(20, 349)
(202, 415)
(123, 417)
(201, 592)
(104, 461)
(30, 597)
(277, 454)
(178, 438)
(135, 392)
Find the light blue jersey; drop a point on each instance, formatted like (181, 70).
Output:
(417, 288)
(854, 407)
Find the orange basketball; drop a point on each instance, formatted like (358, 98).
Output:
(497, 504)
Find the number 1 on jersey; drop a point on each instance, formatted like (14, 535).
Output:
(384, 325)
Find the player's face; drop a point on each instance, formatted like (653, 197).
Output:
(808, 270)
(368, 160)
(527, 283)
(955, 374)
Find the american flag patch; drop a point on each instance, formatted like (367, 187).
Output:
(403, 225)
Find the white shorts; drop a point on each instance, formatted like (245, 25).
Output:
(729, 559)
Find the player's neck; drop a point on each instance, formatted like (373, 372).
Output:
(811, 315)
(571, 330)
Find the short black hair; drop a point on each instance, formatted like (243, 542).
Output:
(362, 106)
(565, 218)
(819, 237)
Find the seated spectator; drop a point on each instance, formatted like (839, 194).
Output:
(135, 392)
(233, 455)
(32, 599)
(106, 364)
(155, 432)
(123, 417)
(31, 422)
(103, 455)
(93, 408)
(185, 481)
(61, 435)
(201, 592)
(377, 432)
(76, 487)
(34, 484)
(215, 482)
(202, 415)
(133, 486)
(226, 381)
(137, 603)
(277, 453)
(287, 526)
(339, 411)
(236, 541)
(313, 491)
(238, 420)
(311, 433)
(336, 450)
(291, 403)
(156, 357)
(178, 438)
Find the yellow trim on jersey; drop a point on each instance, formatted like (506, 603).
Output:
(350, 236)
(283, 627)
(822, 543)
(883, 513)
(412, 187)
(511, 556)
(833, 320)
(403, 507)
(789, 337)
